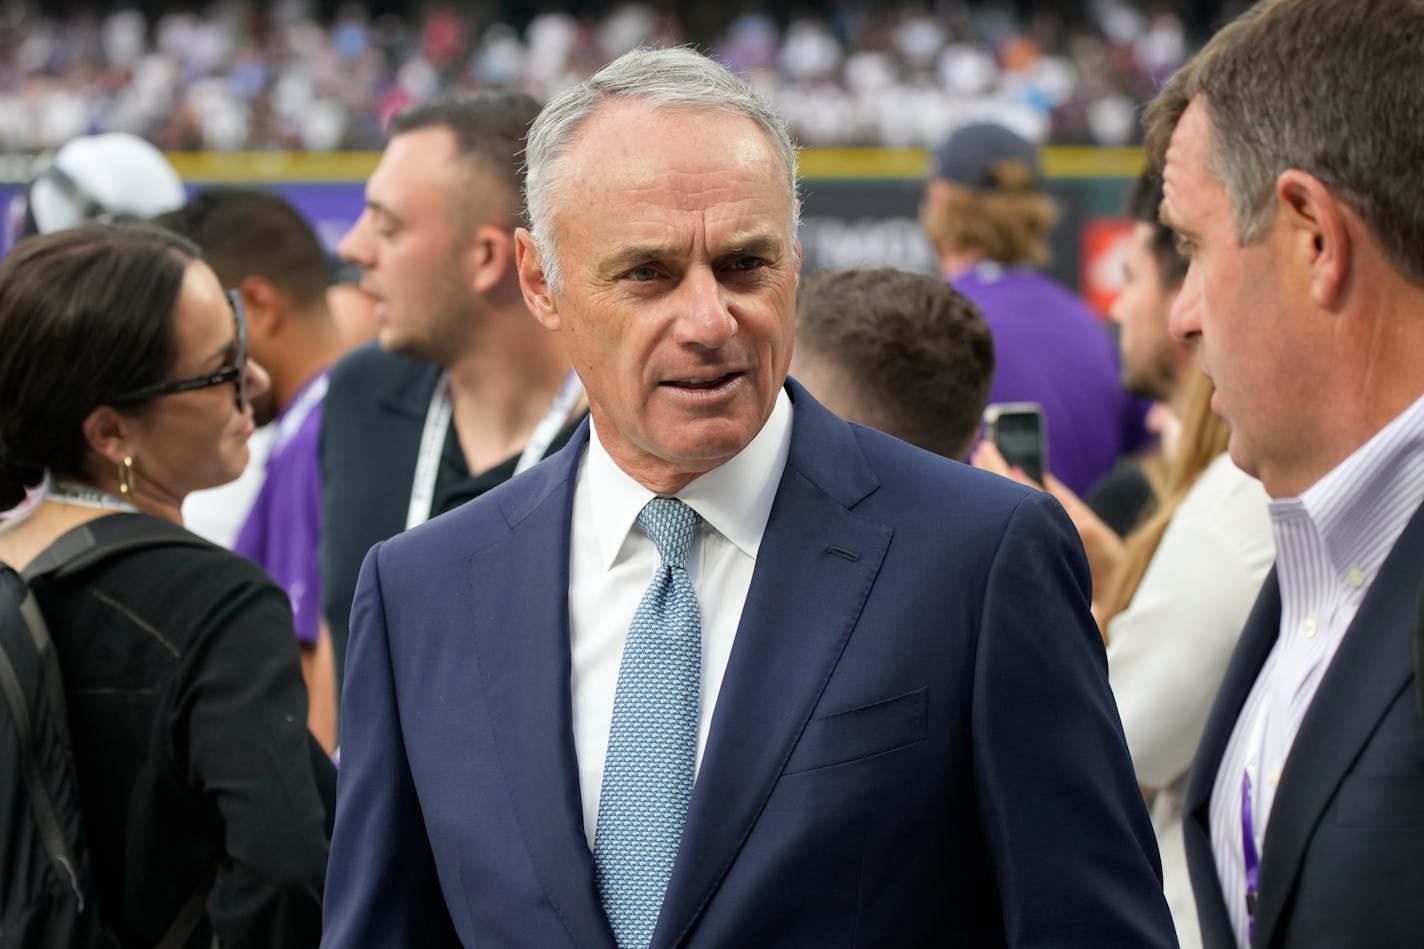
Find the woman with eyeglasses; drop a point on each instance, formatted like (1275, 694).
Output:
(124, 385)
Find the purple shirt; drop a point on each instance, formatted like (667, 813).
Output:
(1049, 348)
(282, 529)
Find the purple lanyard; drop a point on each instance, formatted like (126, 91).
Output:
(1249, 855)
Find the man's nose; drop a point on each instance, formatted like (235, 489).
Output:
(705, 317)
(1184, 319)
(356, 245)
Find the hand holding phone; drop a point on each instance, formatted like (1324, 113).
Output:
(1018, 430)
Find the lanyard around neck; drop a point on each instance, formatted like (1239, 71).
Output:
(437, 427)
(81, 495)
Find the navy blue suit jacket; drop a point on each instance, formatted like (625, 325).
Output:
(1342, 864)
(914, 744)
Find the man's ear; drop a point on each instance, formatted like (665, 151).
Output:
(265, 305)
(489, 255)
(532, 283)
(110, 433)
(1320, 228)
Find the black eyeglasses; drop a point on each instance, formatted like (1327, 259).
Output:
(235, 372)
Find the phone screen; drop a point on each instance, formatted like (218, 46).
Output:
(1018, 434)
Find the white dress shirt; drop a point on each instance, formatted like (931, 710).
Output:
(612, 562)
(1330, 544)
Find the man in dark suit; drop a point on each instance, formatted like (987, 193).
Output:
(1292, 147)
(726, 670)
(460, 382)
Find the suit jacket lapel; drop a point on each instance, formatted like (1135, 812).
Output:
(1258, 636)
(522, 641)
(815, 568)
(1367, 674)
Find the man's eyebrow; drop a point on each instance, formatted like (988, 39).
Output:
(761, 245)
(620, 259)
(381, 209)
(624, 257)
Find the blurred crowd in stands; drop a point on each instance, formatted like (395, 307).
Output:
(239, 75)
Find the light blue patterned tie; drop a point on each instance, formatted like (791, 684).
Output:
(652, 744)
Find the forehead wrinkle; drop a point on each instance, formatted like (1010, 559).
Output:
(689, 229)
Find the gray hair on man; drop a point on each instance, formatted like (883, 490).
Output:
(677, 78)
(1334, 88)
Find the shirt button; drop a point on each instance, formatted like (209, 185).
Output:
(1274, 777)
(1355, 577)
(1308, 627)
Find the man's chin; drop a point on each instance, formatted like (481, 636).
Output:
(1140, 387)
(402, 345)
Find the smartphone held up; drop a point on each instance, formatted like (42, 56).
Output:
(1019, 431)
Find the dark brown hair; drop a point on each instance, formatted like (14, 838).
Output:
(916, 351)
(245, 232)
(489, 130)
(1334, 88)
(85, 314)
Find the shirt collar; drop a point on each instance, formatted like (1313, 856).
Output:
(1362, 505)
(295, 412)
(734, 498)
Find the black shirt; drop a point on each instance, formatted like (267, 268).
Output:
(188, 715)
(372, 423)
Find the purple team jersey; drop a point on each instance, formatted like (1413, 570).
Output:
(282, 529)
(1051, 349)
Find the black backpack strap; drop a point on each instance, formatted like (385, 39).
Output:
(18, 702)
(192, 913)
(105, 537)
(92, 543)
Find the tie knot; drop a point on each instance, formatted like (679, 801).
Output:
(672, 525)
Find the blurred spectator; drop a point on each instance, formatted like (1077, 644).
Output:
(203, 804)
(96, 177)
(235, 75)
(1172, 599)
(463, 388)
(901, 352)
(987, 216)
(260, 246)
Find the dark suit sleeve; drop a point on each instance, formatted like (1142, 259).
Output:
(1064, 822)
(382, 889)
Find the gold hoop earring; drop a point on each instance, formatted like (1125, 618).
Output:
(126, 476)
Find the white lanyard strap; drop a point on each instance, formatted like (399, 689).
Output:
(570, 391)
(437, 425)
(427, 460)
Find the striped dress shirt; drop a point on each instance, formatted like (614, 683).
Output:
(1330, 544)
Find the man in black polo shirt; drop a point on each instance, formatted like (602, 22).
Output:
(462, 386)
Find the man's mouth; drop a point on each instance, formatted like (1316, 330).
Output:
(703, 382)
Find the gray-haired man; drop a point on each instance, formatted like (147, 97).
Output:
(725, 671)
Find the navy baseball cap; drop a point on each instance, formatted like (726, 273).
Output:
(972, 156)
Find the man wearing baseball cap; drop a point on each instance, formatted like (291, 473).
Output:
(986, 213)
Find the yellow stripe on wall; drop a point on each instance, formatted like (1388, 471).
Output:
(822, 163)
